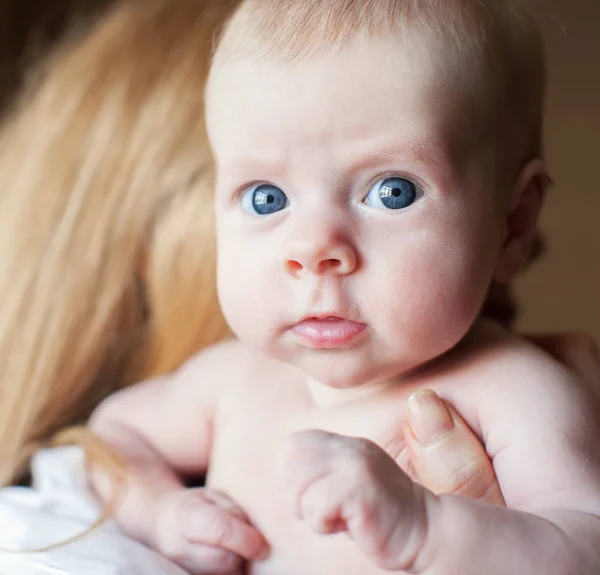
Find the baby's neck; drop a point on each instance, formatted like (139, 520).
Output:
(325, 396)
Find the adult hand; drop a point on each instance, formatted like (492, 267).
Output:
(446, 455)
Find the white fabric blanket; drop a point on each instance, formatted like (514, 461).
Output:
(56, 508)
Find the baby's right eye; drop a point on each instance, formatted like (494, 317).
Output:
(264, 199)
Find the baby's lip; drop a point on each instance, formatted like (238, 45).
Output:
(328, 331)
(325, 318)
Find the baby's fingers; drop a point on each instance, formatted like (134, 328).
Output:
(223, 501)
(211, 525)
(196, 558)
(206, 533)
(203, 560)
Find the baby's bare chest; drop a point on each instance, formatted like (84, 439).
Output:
(245, 464)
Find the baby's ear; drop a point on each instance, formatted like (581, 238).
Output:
(525, 203)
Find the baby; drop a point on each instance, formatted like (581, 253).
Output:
(378, 166)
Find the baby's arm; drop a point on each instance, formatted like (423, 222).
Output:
(163, 429)
(543, 431)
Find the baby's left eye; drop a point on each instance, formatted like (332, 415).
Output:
(392, 194)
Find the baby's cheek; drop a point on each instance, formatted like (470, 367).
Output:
(461, 289)
(235, 289)
(246, 299)
(438, 296)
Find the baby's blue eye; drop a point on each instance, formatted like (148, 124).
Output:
(392, 193)
(264, 199)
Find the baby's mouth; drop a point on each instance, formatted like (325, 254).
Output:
(329, 332)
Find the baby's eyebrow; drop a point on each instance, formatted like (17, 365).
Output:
(240, 169)
(432, 156)
(421, 150)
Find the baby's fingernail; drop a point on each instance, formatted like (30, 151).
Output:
(428, 417)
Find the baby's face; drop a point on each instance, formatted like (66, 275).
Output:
(355, 239)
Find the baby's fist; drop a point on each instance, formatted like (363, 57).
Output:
(344, 484)
(204, 531)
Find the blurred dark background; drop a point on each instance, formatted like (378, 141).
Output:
(27, 27)
(562, 291)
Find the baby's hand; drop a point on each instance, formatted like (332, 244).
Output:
(343, 484)
(206, 532)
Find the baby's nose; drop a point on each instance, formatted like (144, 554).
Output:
(330, 256)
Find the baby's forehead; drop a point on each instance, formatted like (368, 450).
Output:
(382, 60)
(486, 55)
(377, 83)
(356, 107)
(415, 50)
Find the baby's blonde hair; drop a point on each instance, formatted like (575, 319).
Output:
(488, 53)
(106, 226)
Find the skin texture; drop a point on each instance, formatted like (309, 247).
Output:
(311, 442)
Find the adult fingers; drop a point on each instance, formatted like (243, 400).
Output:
(445, 453)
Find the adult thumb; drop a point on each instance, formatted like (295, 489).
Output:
(446, 455)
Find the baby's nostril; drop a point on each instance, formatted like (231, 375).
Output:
(293, 266)
(330, 264)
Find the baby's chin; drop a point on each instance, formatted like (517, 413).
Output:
(364, 365)
(346, 369)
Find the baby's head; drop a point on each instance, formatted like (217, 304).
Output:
(377, 162)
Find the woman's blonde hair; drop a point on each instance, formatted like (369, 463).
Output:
(106, 226)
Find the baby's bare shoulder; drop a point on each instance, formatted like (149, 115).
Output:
(225, 357)
(502, 364)
(500, 380)
(196, 384)
(525, 394)
(228, 365)
(539, 422)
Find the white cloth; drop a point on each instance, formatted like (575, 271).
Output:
(57, 507)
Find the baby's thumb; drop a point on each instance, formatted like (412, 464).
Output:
(445, 453)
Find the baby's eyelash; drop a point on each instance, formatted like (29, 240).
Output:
(236, 194)
(397, 174)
